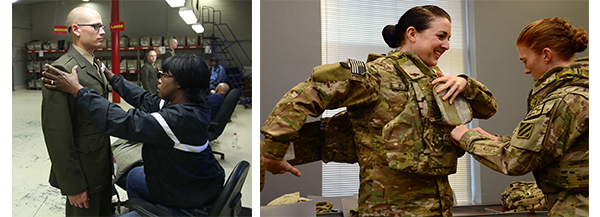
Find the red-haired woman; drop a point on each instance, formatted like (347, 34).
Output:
(552, 140)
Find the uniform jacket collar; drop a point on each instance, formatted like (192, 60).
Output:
(86, 66)
(576, 74)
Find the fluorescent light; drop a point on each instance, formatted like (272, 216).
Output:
(188, 15)
(198, 28)
(176, 3)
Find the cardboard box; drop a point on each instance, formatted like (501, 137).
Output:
(124, 42)
(180, 40)
(166, 40)
(132, 64)
(106, 43)
(37, 45)
(39, 83)
(31, 84)
(157, 41)
(54, 45)
(46, 45)
(30, 65)
(29, 45)
(37, 65)
(123, 65)
(145, 42)
(134, 42)
(192, 40)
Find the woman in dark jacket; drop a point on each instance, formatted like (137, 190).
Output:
(180, 172)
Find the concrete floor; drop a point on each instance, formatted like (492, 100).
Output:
(33, 196)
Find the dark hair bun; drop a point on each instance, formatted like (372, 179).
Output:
(390, 36)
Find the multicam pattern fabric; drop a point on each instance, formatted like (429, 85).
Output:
(552, 141)
(377, 101)
(523, 196)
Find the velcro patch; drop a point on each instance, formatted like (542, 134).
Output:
(357, 67)
(525, 130)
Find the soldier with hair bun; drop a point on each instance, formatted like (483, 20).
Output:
(553, 139)
(392, 123)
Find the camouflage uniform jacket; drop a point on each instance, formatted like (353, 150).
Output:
(375, 94)
(552, 141)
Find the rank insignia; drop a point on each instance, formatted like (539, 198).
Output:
(525, 130)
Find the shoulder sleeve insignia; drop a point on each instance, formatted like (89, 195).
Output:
(525, 130)
(357, 67)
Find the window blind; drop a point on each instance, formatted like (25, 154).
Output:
(352, 29)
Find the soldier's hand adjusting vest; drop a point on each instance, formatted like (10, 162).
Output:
(418, 139)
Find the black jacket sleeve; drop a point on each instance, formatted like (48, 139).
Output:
(134, 124)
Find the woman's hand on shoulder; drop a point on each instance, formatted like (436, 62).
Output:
(454, 85)
(60, 80)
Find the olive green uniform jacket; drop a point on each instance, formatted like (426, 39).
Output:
(168, 53)
(149, 77)
(79, 152)
(552, 141)
(375, 94)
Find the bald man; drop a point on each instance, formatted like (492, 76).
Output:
(216, 99)
(79, 152)
(149, 73)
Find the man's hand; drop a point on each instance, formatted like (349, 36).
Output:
(278, 166)
(59, 80)
(454, 85)
(80, 200)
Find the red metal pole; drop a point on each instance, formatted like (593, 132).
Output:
(116, 53)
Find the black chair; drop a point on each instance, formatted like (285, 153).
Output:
(228, 203)
(217, 124)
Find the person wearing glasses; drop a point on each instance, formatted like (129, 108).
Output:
(173, 125)
(79, 152)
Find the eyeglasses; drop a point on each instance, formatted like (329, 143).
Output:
(165, 75)
(96, 26)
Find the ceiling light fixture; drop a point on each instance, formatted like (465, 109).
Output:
(188, 15)
(198, 28)
(176, 3)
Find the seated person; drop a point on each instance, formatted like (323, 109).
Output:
(217, 75)
(216, 99)
(173, 125)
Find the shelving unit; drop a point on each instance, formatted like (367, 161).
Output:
(138, 57)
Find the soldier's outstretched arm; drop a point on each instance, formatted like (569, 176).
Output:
(330, 86)
(278, 166)
(548, 131)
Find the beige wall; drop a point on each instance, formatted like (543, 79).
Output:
(290, 46)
